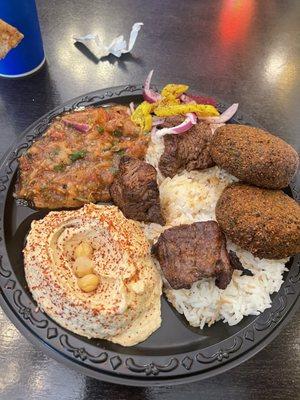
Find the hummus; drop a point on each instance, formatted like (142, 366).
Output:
(125, 306)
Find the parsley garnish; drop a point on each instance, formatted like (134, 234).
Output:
(117, 133)
(77, 155)
(100, 129)
(59, 167)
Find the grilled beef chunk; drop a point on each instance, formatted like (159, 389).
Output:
(169, 122)
(236, 264)
(187, 253)
(135, 191)
(189, 150)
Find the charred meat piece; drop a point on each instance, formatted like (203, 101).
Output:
(135, 191)
(187, 253)
(189, 150)
(169, 122)
(236, 264)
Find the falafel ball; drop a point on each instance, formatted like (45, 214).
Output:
(264, 222)
(254, 156)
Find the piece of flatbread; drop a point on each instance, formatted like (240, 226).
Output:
(10, 37)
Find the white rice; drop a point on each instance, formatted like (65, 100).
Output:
(155, 150)
(190, 197)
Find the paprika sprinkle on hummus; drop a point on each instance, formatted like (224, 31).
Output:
(92, 272)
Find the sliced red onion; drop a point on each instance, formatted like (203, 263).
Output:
(187, 99)
(190, 120)
(224, 117)
(153, 134)
(214, 127)
(82, 127)
(150, 95)
(131, 107)
(194, 99)
(193, 117)
(203, 99)
(157, 121)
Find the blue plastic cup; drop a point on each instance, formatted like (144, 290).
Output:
(29, 55)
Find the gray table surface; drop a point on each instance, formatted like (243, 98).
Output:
(240, 51)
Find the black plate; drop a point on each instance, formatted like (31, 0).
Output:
(175, 353)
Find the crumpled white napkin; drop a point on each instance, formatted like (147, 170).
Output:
(117, 47)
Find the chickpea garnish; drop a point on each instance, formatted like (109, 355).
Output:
(84, 249)
(83, 266)
(88, 283)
